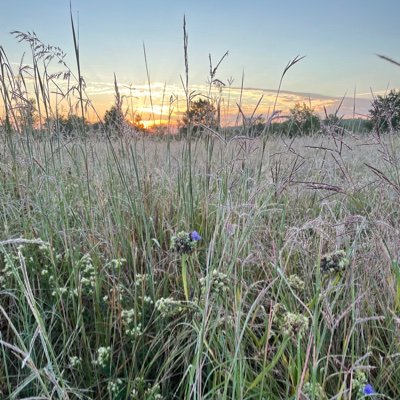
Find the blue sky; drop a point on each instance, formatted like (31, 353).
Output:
(339, 38)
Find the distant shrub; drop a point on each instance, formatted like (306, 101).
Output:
(385, 112)
(302, 121)
(201, 113)
(114, 119)
(70, 125)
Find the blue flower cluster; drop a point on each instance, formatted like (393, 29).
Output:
(195, 236)
(185, 243)
(368, 390)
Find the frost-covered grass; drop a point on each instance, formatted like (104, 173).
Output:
(293, 290)
(211, 267)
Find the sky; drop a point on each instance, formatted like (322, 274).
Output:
(339, 39)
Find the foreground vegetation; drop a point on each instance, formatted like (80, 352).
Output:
(95, 303)
(221, 264)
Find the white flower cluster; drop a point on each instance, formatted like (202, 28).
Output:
(128, 316)
(168, 307)
(45, 248)
(12, 260)
(117, 292)
(132, 329)
(294, 325)
(219, 282)
(75, 362)
(60, 291)
(7, 272)
(315, 391)
(87, 275)
(359, 381)
(116, 264)
(153, 393)
(334, 262)
(114, 387)
(296, 283)
(182, 243)
(103, 356)
(141, 279)
(140, 392)
(147, 300)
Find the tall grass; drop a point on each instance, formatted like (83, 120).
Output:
(293, 292)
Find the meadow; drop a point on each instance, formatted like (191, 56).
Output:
(96, 304)
(138, 267)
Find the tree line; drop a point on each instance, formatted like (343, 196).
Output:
(203, 115)
(302, 119)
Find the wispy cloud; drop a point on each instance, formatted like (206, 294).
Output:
(171, 99)
(160, 100)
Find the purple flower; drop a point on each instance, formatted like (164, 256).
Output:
(194, 236)
(368, 389)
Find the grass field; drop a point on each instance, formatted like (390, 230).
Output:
(293, 291)
(209, 266)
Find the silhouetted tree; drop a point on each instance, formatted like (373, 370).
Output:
(385, 112)
(114, 120)
(303, 120)
(137, 123)
(331, 119)
(332, 124)
(71, 125)
(201, 113)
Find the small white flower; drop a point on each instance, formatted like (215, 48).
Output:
(103, 356)
(75, 362)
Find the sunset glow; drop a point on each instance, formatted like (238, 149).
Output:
(147, 57)
(170, 101)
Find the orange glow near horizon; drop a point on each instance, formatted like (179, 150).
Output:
(167, 103)
(167, 107)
